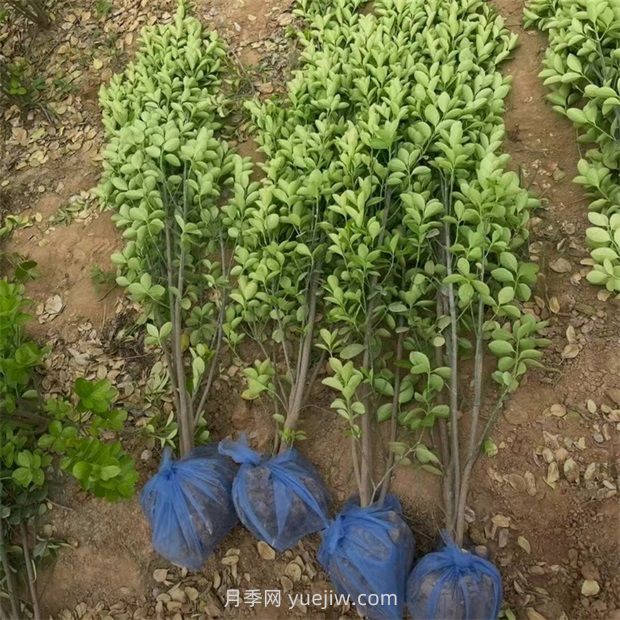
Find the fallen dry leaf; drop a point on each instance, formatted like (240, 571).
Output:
(560, 265)
(570, 351)
(524, 543)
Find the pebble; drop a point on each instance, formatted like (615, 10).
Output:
(571, 471)
(590, 587)
(293, 570)
(517, 482)
(557, 410)
(589, 571)
(160, 575)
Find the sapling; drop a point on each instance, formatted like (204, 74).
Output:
(425, 234)
(280, 266)
(177, 190)
(179, 193)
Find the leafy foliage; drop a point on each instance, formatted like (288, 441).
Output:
(385, 184)
(582, 71)
(38, 434)
(34, 431)
(178, 192)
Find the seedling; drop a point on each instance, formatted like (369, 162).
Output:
(177, 191)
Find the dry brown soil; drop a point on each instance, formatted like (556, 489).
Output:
(546, 534)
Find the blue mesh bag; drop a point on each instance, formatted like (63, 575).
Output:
(189, 506)
(453, 584)
(369, 551)
(279, 499)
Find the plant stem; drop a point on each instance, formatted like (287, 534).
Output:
(473, 450)
(444, 446)
(296, 397)
(366, 469)
(185, 417)
(31, 582)
(453, 356)
(356, 464)
(385, 485)
(213, 364)
(33, 10)
(8, 572)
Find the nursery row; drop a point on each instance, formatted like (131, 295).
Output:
(582, 71)
(382, 247)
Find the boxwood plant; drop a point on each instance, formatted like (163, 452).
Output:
(387, 192)
(177, 190)
(582, 72)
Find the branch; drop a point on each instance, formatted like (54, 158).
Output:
(473, 431)
(297, 393)
(214, 362)
(8, 572)
(31, 581)
(385, 484)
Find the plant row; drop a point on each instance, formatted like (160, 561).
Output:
(582, 72)
(381, 249)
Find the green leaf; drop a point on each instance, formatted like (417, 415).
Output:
(351, 351)
(500, 347)
(95, 396)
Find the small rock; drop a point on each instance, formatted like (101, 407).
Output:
(571, 471)
(160, 575)
(530, 482)
(502, 538)
(293, 570)
(590, 471)
(590, 587)
(482, 551)
(501, 521)
(532, 614)
(590, 572)
(558, 410)
(213, 607)
(517, 482)
(176, 594)
(553, 474)
(591, 405)
(265, 551)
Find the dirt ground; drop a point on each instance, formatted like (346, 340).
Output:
(545, 506)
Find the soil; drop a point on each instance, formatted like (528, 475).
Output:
(546, 534)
